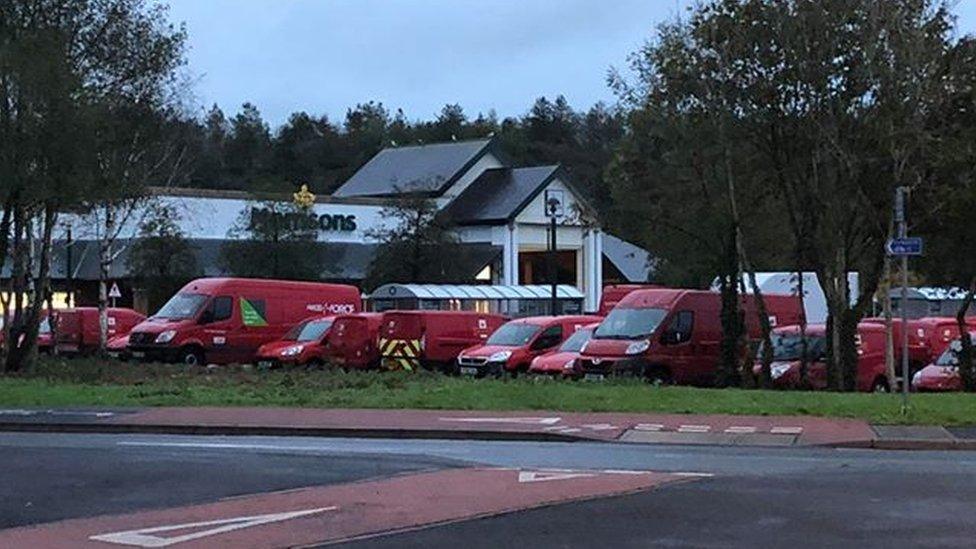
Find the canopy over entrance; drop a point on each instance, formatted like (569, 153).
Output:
(514, 301)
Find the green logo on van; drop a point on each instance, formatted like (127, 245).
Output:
(250, 314)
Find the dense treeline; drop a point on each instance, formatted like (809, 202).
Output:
(242, 152)
(768, 133)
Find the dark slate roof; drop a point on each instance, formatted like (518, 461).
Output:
(343, 260)
(429, 169)
(499, 194)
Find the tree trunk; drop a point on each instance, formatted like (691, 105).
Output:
(766, 327)
(104, 270)
(24, 348)
(890, 371)
(731, 319)
(842, 325)
(967, 365)
(804, 346)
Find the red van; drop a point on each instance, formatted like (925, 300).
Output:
(45, 337)
(927, 337)
(225, 320)
(302, 345)
(562, 361)
(77, 330)
(351, 343)
(672, 335)
(613, 293)
(943, 374)
(788, 345)
(513, 346)
(432, 339)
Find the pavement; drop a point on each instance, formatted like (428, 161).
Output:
(725, 430)
(138, 490)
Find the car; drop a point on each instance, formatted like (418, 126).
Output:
(351, 343)
(561, 362)
(118, 347)
(928, 337)
(226, 320)
(409, 340)
(302, 345)
(788, 342)
(943, 374)
(672, 335)
(513, 346)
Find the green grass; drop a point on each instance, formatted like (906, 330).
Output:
(58, 382)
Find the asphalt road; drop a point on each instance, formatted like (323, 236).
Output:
(762, 497)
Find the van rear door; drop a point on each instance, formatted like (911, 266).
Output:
(400, 341)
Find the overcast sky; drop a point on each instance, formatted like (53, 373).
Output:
(324, 56)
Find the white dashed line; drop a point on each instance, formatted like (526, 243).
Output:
(599, 426)
(694, 428)
(786, 430)
(740, 430)
(648, 427)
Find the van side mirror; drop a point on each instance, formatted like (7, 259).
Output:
(672, 337)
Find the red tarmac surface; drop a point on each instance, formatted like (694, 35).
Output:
(586, 426)
(340, 512)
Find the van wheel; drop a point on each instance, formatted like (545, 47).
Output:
(880, 385)
(657, 376)
(192, 356)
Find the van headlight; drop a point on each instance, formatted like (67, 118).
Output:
(500, 356)
(777, 371)
(637, 347)
(166, 337)
(293, 350)
(569, 364)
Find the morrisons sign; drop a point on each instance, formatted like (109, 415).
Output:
(263, 219)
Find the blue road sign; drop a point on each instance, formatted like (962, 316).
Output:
(909, 245)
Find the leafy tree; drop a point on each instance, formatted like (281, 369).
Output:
(161, 260)
(247, 151)
(416, 245)
(77, 81)
(832, 125)
(274, 239)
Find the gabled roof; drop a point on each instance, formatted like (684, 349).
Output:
(499, 194)
(423, 169)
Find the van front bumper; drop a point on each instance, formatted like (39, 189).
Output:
(154, 353)
(593, 367)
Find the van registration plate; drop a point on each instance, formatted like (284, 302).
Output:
(593, 377)
(264, 364)
(138, 354)
(468, 371)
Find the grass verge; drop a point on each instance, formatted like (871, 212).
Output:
(86, 382)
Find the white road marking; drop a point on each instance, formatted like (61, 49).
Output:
(545, 476)
(692, 474)
(518, 420)
(599, 426)
(25, 413)
(786, 430)
(740, 429)
(648, 427)
(144, 537)
(694, 428)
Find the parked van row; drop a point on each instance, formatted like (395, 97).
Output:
(661, 334)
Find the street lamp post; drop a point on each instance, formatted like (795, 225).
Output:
(552, 210)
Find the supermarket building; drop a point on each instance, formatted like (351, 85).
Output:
(500, 214)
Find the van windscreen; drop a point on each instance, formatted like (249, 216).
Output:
(513, 334)
(630, 323)
(790, 347)
(309, 330)
(576, 341)
(182, 306)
